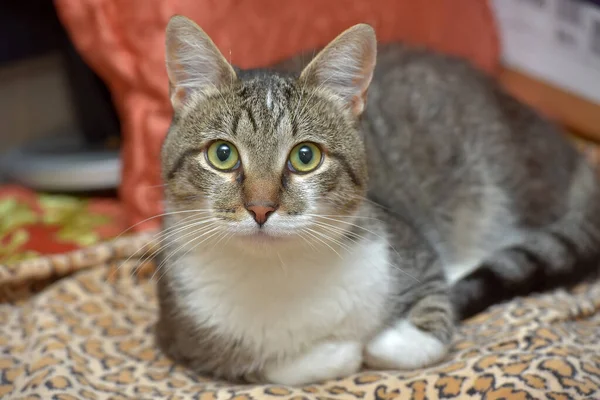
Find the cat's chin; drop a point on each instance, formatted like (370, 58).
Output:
(262, 236)
(262, 242)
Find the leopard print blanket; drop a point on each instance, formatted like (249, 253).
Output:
(80, 326)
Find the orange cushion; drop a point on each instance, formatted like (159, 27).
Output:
(123, 41)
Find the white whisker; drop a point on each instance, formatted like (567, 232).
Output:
(314, 233)
(375, 234)
(338, 242)
(174, 231)
(212, 233)
(283, 266)
(158, 216)
(340, 231)
(306, 240)
(207, 229)
(176, 227)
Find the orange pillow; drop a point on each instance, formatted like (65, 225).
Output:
(123, 41)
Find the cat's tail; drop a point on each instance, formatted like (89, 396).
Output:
(562, 254)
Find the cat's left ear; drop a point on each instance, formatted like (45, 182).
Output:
(345, 67)
(194, 63)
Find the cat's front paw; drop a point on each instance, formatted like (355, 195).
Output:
(330, 360)
(404, 347)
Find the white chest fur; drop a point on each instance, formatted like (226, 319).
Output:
(283, 302)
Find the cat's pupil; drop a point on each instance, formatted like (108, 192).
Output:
(305, 154)
(223, 152)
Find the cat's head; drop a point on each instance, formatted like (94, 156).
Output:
(263, 156)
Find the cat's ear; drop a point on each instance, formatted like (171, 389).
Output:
(345, 66)
(194, 63)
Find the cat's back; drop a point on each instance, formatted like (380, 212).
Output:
(430, 95)
(417, 86)
(429, 115)
(443, 139)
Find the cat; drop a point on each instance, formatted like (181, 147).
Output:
(309, 233)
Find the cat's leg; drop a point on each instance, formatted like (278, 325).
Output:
(420, 339)
(325, 361)
(543, 260)
(559, 254)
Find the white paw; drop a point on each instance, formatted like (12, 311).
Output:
(323, 362)
(404, 347)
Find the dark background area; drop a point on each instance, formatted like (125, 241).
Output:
(31, 28)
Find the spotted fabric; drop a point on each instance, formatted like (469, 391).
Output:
(80, 326)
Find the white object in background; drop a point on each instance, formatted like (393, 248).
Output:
(557, 41)
(62, 162)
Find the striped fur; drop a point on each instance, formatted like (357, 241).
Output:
(434, 199)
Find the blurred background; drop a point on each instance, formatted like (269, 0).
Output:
(83, 91)
(57, 114)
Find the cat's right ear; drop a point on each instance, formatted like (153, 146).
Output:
(194, 63)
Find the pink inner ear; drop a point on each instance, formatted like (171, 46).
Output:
(362, 82)
(346, 66)
(358, 103)
(178, 96)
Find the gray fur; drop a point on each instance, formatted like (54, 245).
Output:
(455, 167)
(450, 149)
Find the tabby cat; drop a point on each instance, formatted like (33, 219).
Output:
(309, 234)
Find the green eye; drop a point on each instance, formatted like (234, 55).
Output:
(223, 155)
(305, 157)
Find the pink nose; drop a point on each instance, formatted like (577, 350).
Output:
(261, 212)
